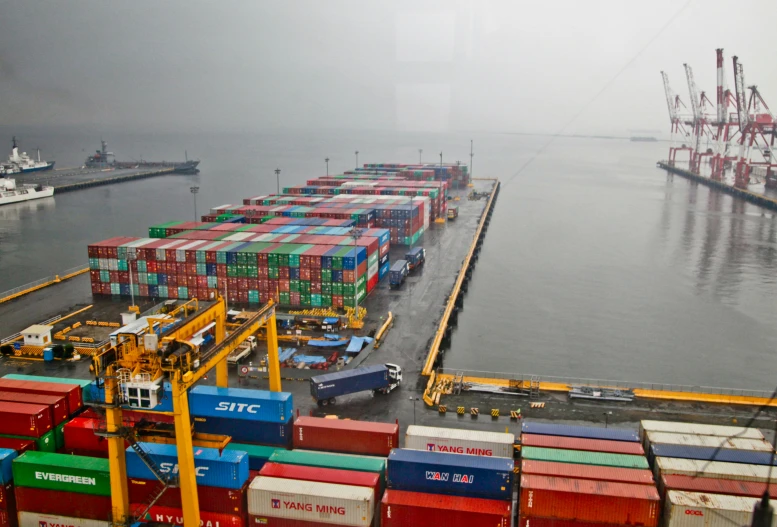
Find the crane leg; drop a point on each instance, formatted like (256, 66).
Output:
(273, 367)
(116, 458)
(222, 374)
(186, 470)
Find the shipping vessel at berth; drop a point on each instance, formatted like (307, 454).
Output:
(104, 159)
(23, 163)
(11, 193)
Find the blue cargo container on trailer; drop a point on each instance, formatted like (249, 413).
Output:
(586, 432)
(397, 273)
(227, 470)
(247, 430)
(380, 378)
(240, 403)
(415, 257)
(707, 453)
(451, 474)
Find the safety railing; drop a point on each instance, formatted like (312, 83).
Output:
(31, 286)
(578, 381)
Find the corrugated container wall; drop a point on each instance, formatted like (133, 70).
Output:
(457, 441)
(636, 476)
(44, 470)
(583, 458)
(71, 392)
(211, 499)
(404, 509)
(348, 436)
(698, 429)
(691, 509)
(60, 503)
(731, 487)
(247, 431)
(454, 474)
(226, 470)
(56, 403)
(587, 432)
(735, 443)
(712, 469)
(343, 462)
(311, 501)
(173, 516)
(589, 501)
(706, 453)
(7, 456)
(241, 403)
(578, 443)
(34, 519)
(32, 420)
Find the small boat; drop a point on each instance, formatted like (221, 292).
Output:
(11, 193)
(601, 394)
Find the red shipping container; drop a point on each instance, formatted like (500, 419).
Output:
(60, 503)
(347, 436)
(212, 499)
(265, 521)
(589, 501)
(730, 487)
(80, 437)
(174, 516)
(402, 509)
(23, 419)
(71, 392)
(590, 445)
(533, 521)
(8, 520)
(20, 445)
(636, 476)
(56, 403)
(7, 497)
(324, 475)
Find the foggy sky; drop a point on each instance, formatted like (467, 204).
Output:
(438, 66)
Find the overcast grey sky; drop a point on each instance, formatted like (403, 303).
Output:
(395, 65)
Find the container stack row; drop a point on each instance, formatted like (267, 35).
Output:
(709, 475)
(580, 475)
(167, 230)
(308, 273)
(452, 172)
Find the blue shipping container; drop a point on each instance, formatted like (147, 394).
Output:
(452, 474)
(7, 455)
(228, 470)
(247, 431)
(586, 432)
(241, 403)
(708, 453)
(258, 455)
(349, 381)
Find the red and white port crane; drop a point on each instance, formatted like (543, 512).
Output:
(757, 129)
(677, 123)
(700, 104)
(726, 122)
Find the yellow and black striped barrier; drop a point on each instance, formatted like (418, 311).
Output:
(515, 414)
(442, 408)
(494, 412)
(460, 410)
(474, 412)
(537, 405)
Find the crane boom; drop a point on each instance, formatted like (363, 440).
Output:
(669, 98)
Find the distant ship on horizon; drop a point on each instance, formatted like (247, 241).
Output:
(21, 163)
(644, 139)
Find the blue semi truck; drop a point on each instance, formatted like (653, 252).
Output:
(380, 379)
(415, 257)
(397, 273)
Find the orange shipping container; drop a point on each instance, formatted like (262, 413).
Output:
(589, 501)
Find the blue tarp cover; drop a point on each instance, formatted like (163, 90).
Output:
(309, 359)
(331, 336)
(327, 343)
(331, 320)
(357, 343)
(285, 353)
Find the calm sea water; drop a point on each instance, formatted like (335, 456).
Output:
(597, 264)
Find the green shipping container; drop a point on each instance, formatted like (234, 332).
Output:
(255, 453)
(44, 470)
(59, 435)
(581, 457)
(338, 461)
(18, 377)
(44, 443)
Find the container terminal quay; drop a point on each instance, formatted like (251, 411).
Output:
(334, 299)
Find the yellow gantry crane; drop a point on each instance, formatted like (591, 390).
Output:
(132, 372)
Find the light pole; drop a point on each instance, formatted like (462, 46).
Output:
(194, 190)
(355, 233)
(440, 159)
(327, 166)
(278, 180)
(606, 418)
(420, 155)
(471, 155)
(414, 399)
(357, 158)
(458, 165)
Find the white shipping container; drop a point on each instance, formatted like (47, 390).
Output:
(732, 443)
(34, 519)
(310, 501)
(698, 429)
(694, 509)
(712, 469)
(457, 441)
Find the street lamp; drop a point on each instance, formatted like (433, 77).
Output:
(194, 190)
(357, 158)
(440, 159)
(420, 154)
(327, 166)
(606, 418)
(278, 180)
(355, 233)
(414, 399)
